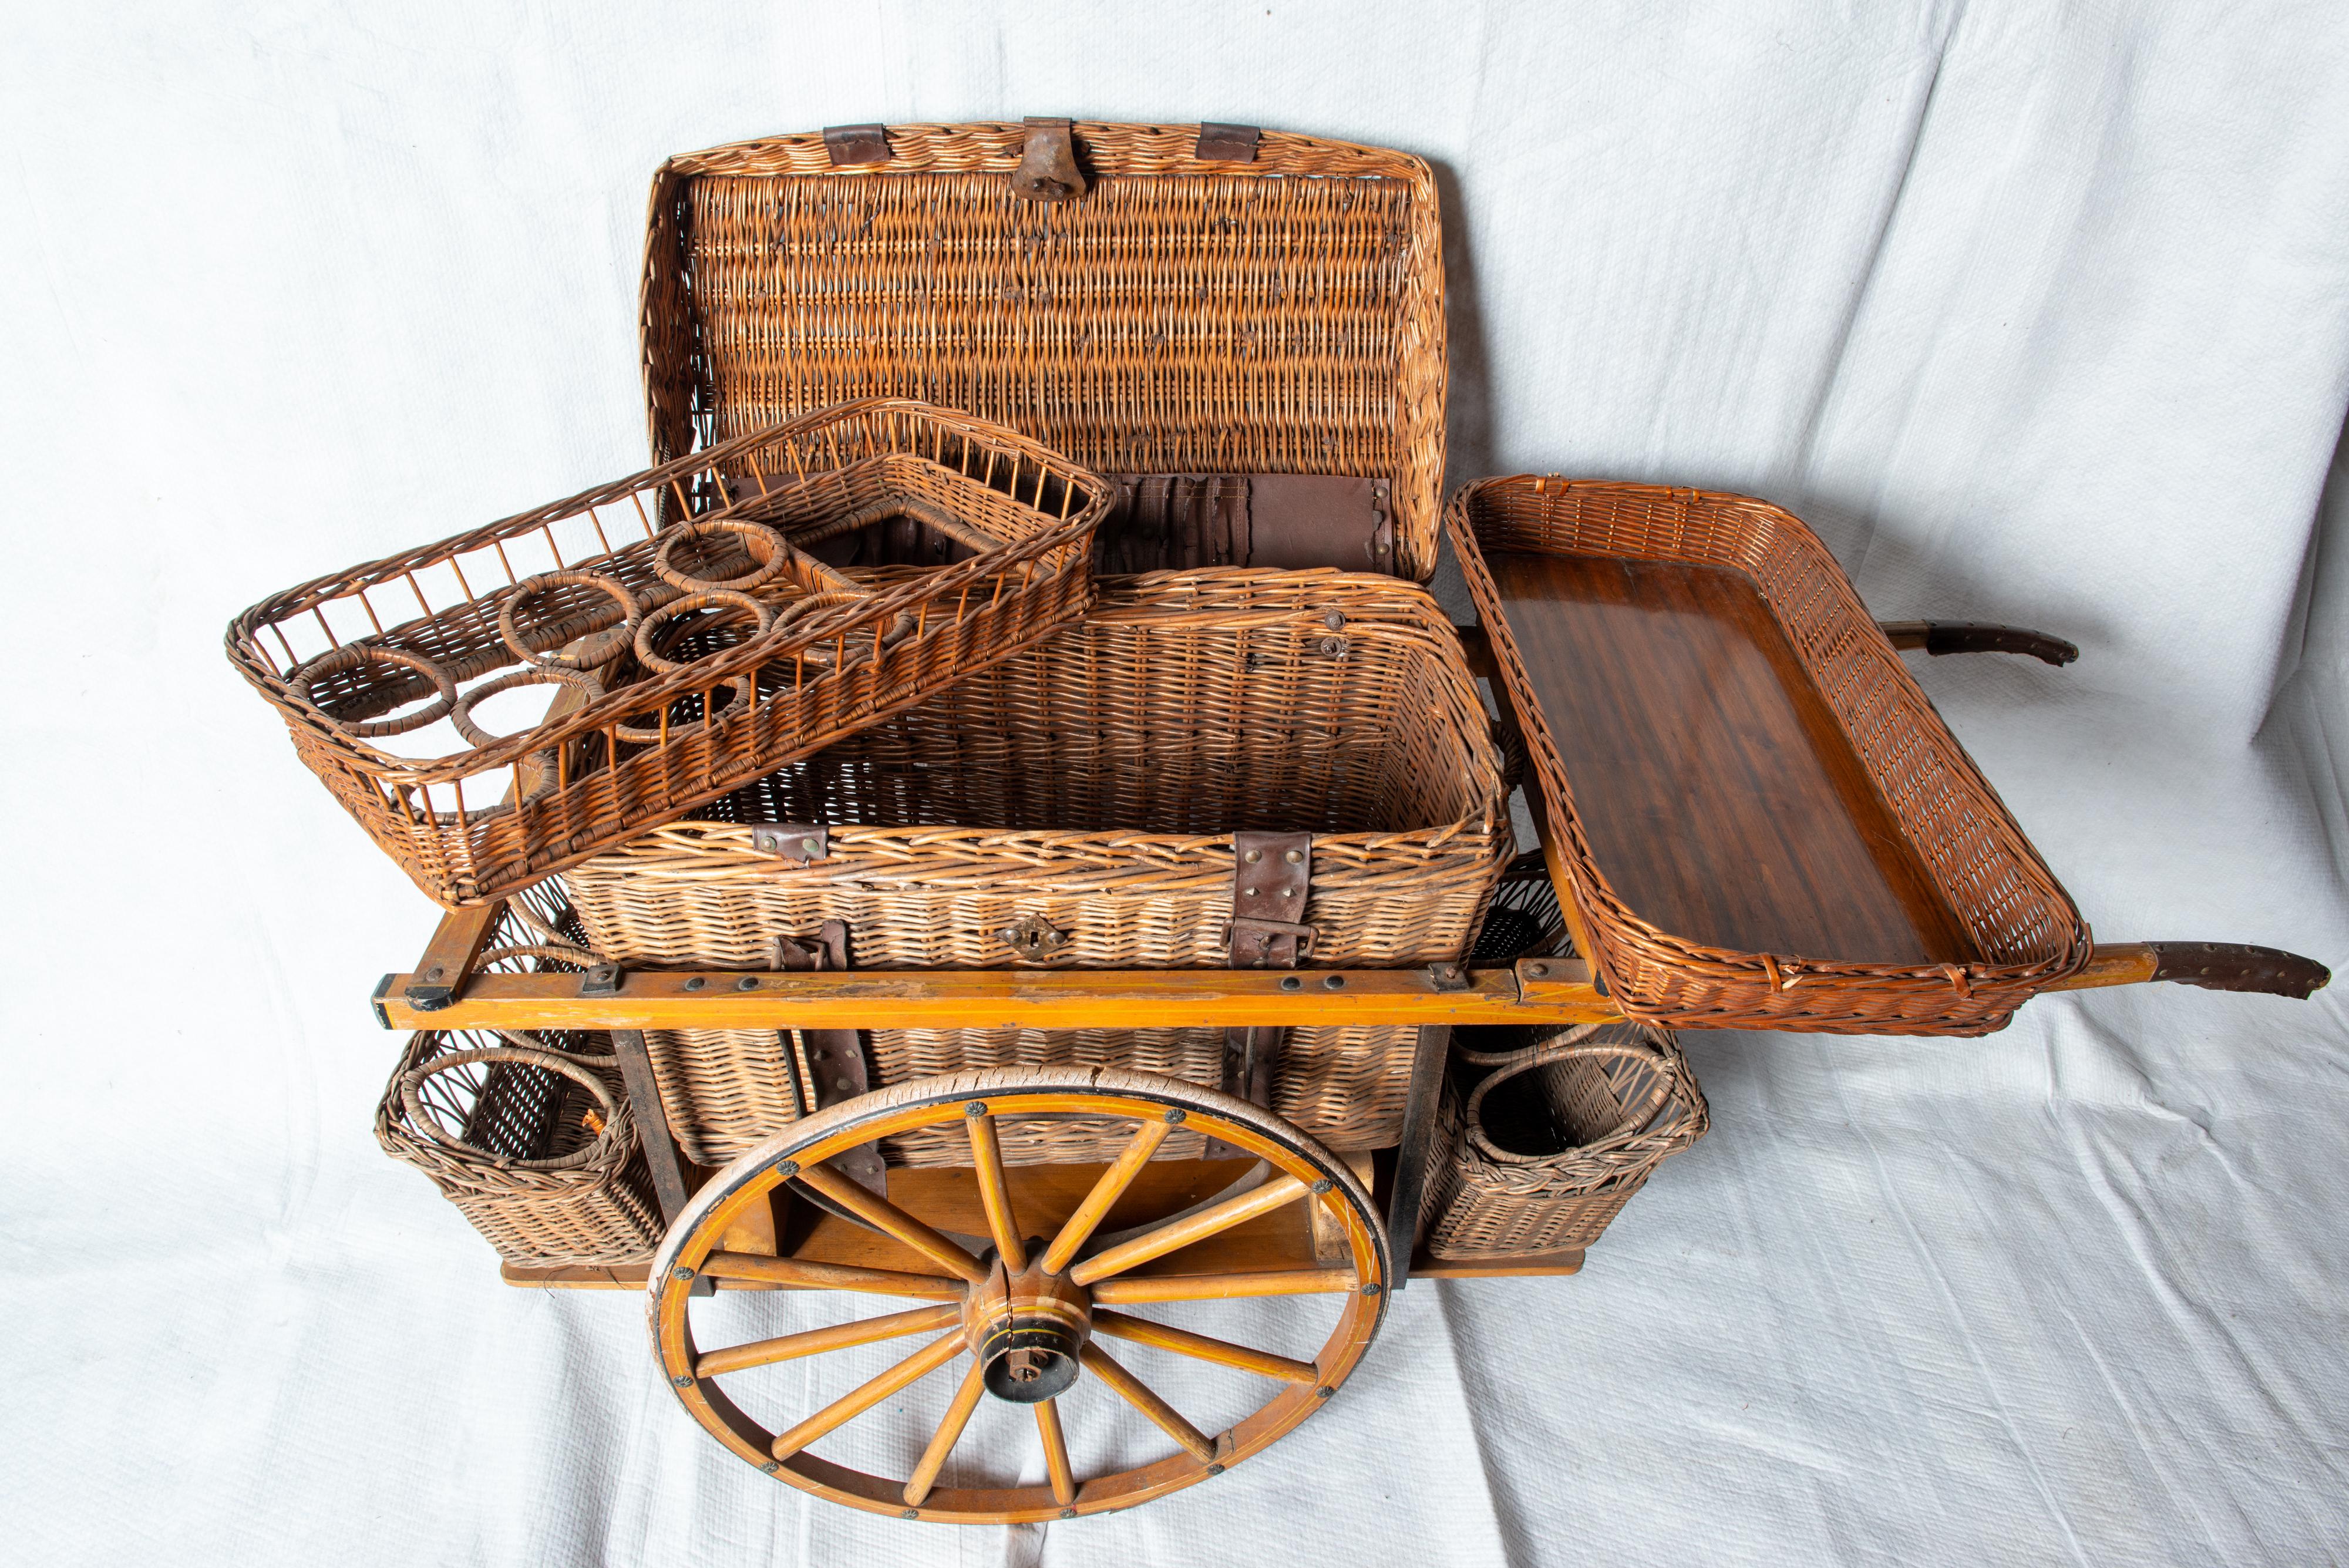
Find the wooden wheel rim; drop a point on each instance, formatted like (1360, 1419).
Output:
(1011, 1093)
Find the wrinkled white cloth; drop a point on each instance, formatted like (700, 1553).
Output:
(2037, 313)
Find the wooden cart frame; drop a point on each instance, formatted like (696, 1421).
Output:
(1303, 1222)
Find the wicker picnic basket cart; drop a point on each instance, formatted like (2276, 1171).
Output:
(1049, 888)
(652, 602)
(1083, 806)
(1537, 1148)
(1242, 329)
(2019, 929)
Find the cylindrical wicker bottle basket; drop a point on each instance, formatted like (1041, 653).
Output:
(533, 1144)
(1076, 807)
(1538, 1149)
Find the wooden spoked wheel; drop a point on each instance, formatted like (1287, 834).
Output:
(1021, 1316)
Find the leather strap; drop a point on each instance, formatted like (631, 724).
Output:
(1272, 876)
(1181, 522)
(852, 144)
(1226, 143)
(834, 1058)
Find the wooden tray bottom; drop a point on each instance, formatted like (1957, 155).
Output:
(1716, 788)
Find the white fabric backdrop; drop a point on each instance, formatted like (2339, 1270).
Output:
(2037, 312)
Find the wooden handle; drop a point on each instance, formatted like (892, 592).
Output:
(2213, 966)
(1939, 637)
(2233, 966)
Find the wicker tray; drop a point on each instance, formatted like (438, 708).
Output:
(1764, 823)
(1216, 302)
(649, 597)
(1112, 766)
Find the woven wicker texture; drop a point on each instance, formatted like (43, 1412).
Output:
(513, 1131)
(1279, 315)
(1538, 1149)
(2010, 905)
(1117, 759)
(529, 1136)
(352, 660)
(724, 1090)
(1112, 766)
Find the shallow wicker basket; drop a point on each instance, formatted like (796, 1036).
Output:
(533, 1144)
(1539, 1149)
(1113, 766)
(724, 552)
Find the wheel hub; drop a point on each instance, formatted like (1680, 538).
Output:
(1029, 1330)
(1029, 1360)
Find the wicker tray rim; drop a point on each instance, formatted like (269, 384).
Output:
(242, 641)
(1612, 922)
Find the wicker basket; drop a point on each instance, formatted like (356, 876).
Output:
(2010, 904)
(532, 1143)
(1216, 302)
(682, 585)
(1113, 766)
(1543, 1149)
(1524, 920)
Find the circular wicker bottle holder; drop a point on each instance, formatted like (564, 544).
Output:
(762, 544)
(593, 662)
(590, 1204)
(1555, 1138)
(354, 656)
(652, 650)
(590, 652)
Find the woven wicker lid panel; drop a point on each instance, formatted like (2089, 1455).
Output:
(1761, 821)
(686, 629)
(1215, 302)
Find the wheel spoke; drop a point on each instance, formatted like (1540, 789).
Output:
(1136, 1393)
(1182, 1342)
(987, 1156)
(1056, 1452)
(934, 1458)
(1131, 1291)
(1192, 1227)
(858, 1400)
(886, 1217)
(814, 1341)
(799, 1276)
(1106, 1191)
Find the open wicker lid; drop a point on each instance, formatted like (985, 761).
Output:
(1169, 306)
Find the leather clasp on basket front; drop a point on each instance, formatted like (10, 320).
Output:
(1048, 168)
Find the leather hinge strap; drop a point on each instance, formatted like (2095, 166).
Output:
(1272, 878)
(1272, 874)
(852, 144)
(1226, 143)
(829, 1064)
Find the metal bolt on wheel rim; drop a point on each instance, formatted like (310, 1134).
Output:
(1023, 1322)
